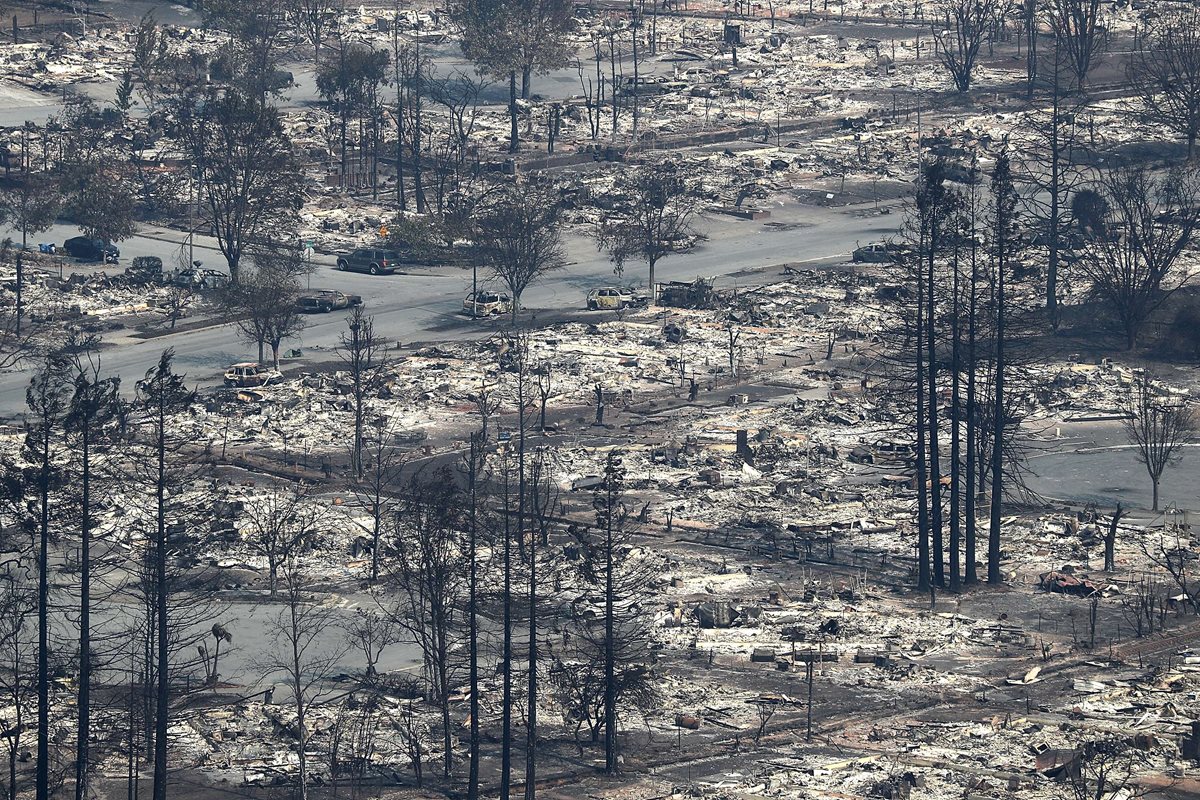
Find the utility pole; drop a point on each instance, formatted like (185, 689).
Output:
(20, 282)
(194, 207)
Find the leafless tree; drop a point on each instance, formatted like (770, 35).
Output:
(476, 468)
(1078, 33)
(592, 89)
(1030, 20)
(409, 71)
(1166, 71)
(1145, 605)
(383, 465)
(487, 404)
(249, 184)
(519, 394)
(312, 18)
(263, 304)
(160, 396)
(518, 237)
(18, 667)
(1105, 768)
(929, 230)
(20, 342)
(1172, 549)
(733, 349)
(176, 304)
(427, 573)
(655, 219)
(966, 24)
(459, 94)
(302, 650)
(281, 524)
(88, 426)
(1048, 139)
(1133, 265)
(370, 633)
(609, 565)
(361, 352)
(47, 400)
(542, 502)
(31, 205)
(1159, 425)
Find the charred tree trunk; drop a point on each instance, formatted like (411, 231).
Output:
(612, 65)
(43, 657)
(1052, 253)
(531, 731)
(513, 134)
(506, 649)
(971, 576)
(472, 615)
(610, 647)
(83, 726)
(1110, 539)
(415, 137)
(923, 578)
(1003, 184)
(935, 474)
(955, 433)
(163, 698)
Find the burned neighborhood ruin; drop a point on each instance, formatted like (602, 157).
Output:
(646, 399)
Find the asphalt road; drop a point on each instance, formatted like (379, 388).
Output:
(1095, 463)
(425, 305)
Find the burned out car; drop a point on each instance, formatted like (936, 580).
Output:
(250, 374)
(339, 300)
(612, 298)
(878, 253)
(486, 303)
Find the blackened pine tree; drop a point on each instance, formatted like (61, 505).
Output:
(92, 410)
(162, 394)
(614, 576)
(1003, 246)
(47, 400)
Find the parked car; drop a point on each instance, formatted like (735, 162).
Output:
(85, 249)
(877, 253)
(486, 304)
(250, 374)
(314, 304)
(366, 259)
(610, 298)
(339, 300)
